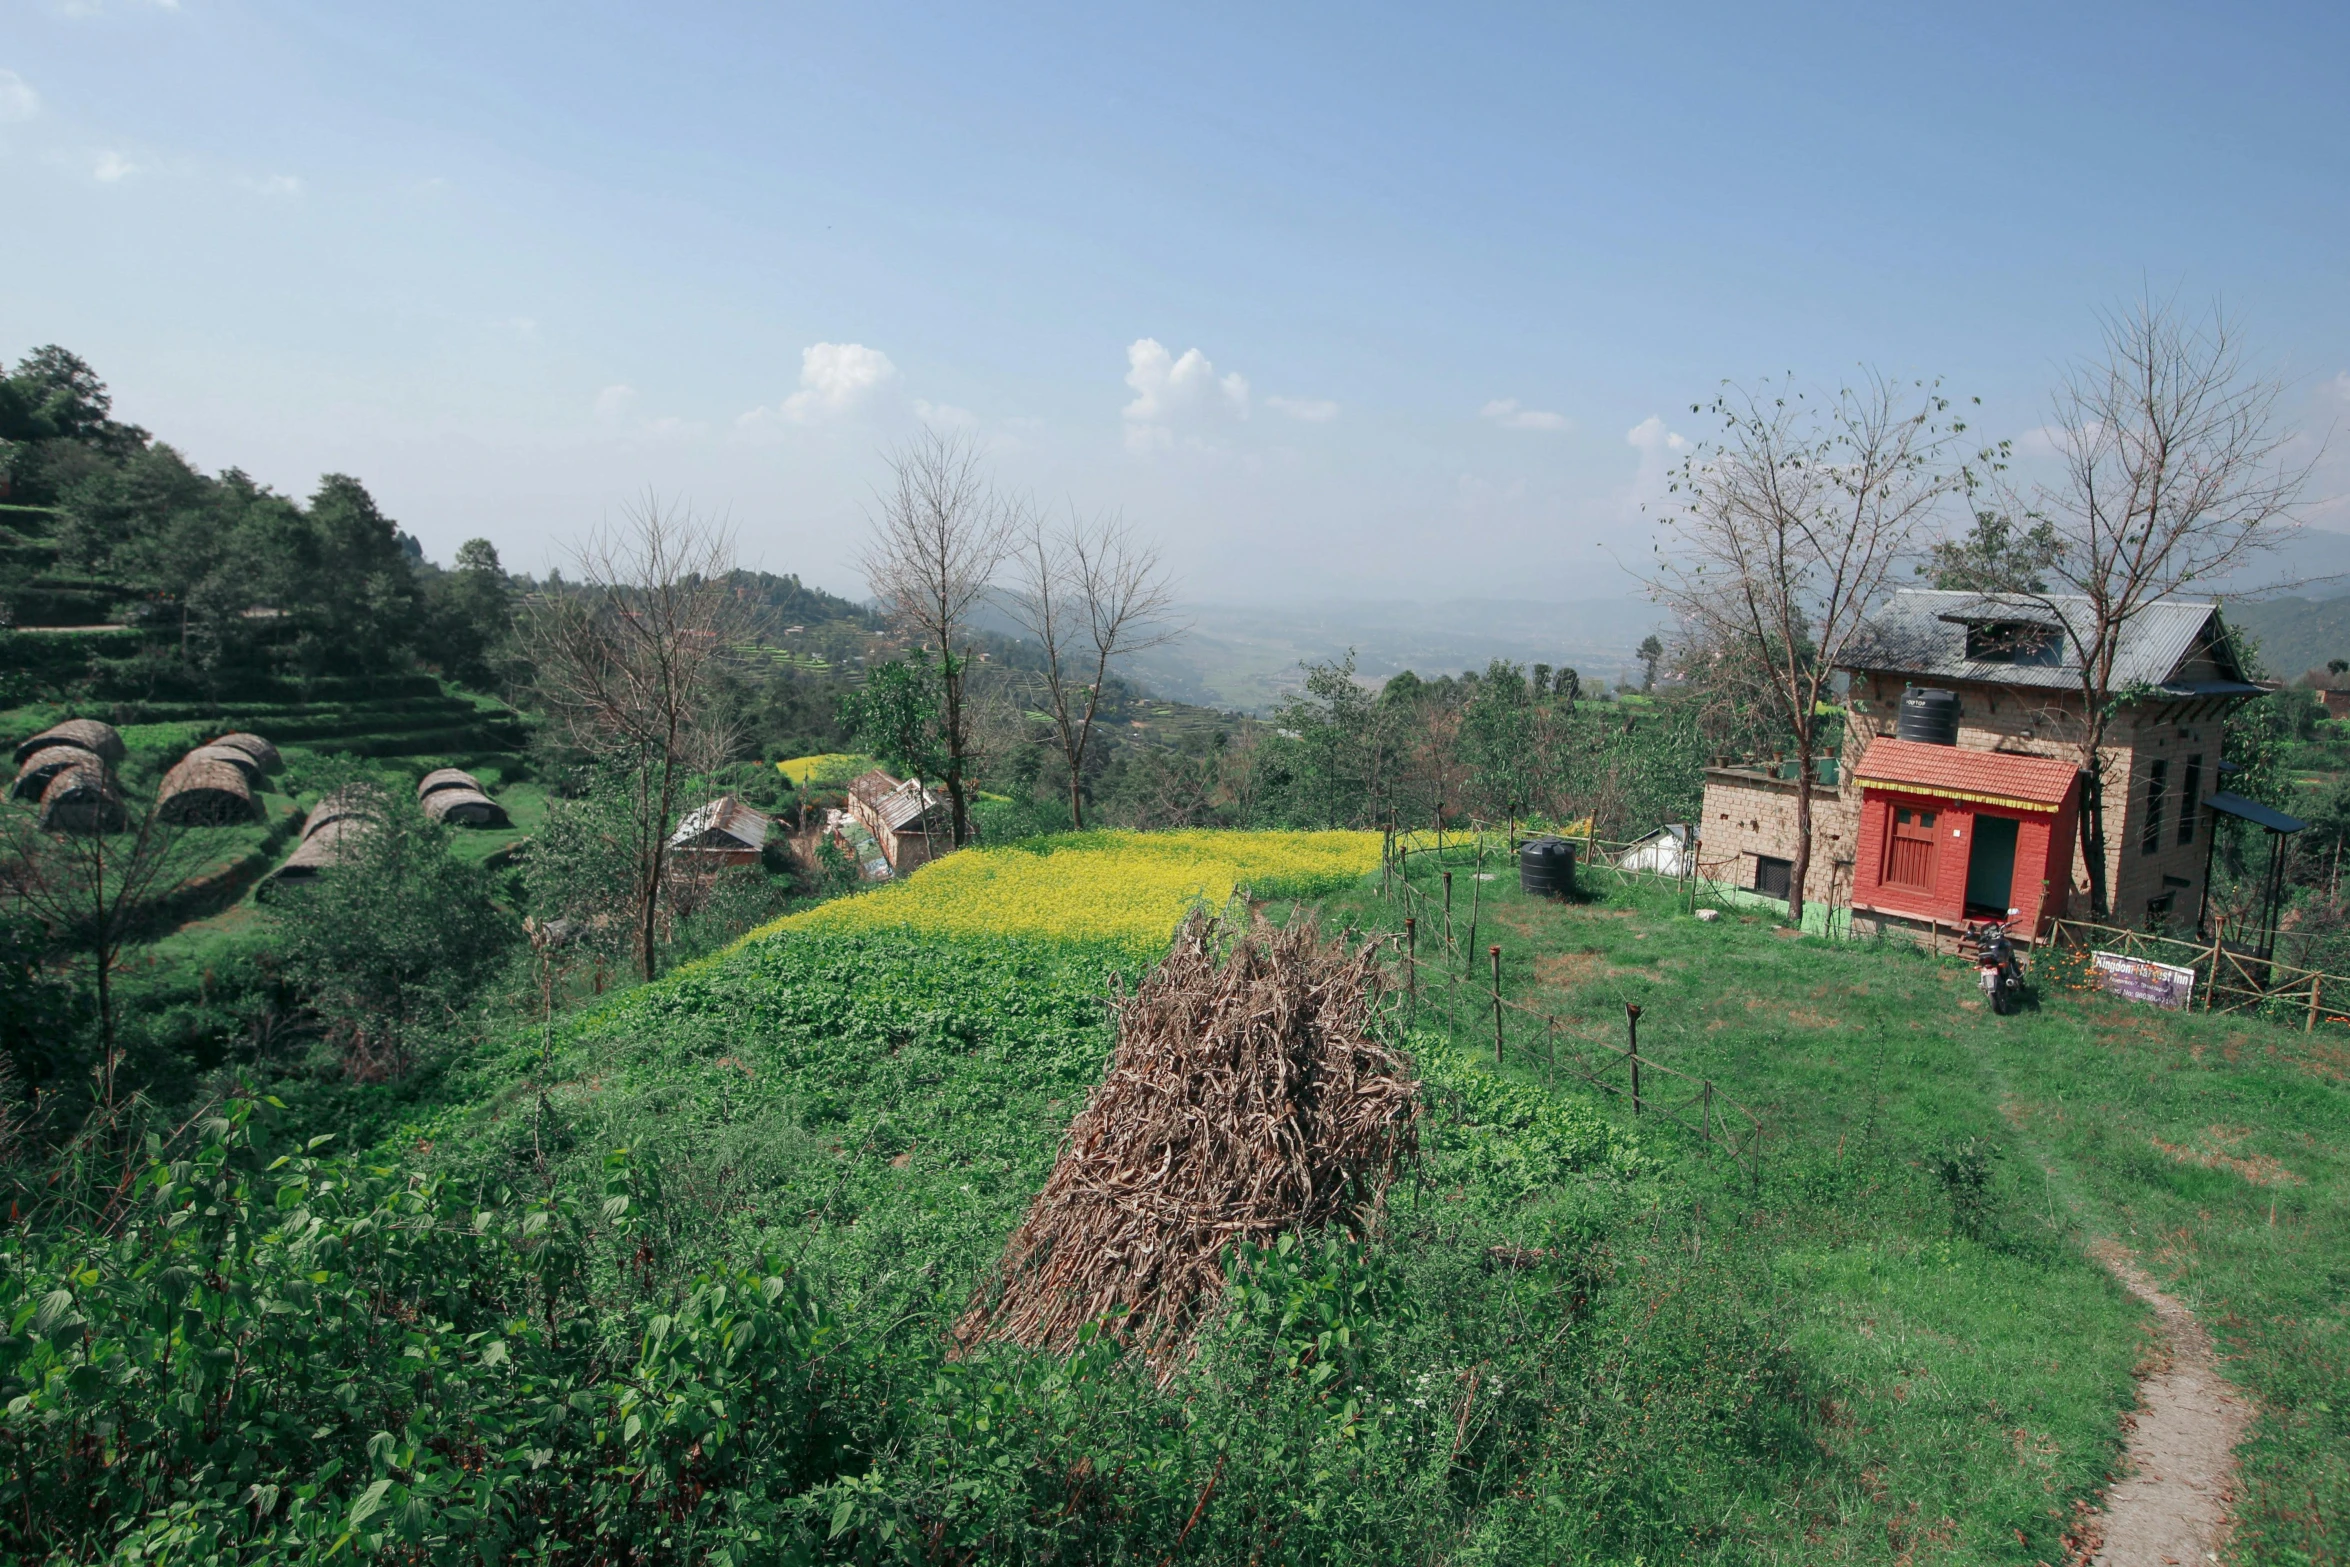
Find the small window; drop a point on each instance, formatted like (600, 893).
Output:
(2157, 787)
(2015, 642)
(1773, 877)
(2190, 799)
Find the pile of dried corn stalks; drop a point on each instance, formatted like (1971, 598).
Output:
(1245, 1099)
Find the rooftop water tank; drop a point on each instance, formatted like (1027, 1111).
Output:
(1928, 716)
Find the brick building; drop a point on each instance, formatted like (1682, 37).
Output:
(2010, 664)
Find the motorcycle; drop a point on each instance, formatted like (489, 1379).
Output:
(1997, 965)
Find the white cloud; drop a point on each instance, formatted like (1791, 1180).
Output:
(1651, 436)
(1313, 410)
(1505, 412)
(614, 402)
(835, 378)
(944, 416)
(1169, 391)
(276, 185)
(110, 168)
(18, 101)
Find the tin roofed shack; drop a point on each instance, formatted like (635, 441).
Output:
(910, 823)
(723, 832)
(1958, 793)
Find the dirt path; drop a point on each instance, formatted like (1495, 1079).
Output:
(2171, 1506)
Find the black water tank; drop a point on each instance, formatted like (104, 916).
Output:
(1546, 867)
(1929, 716)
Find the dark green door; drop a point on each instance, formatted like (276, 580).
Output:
(1990, 866)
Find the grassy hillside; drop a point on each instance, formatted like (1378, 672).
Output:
(680, 1270)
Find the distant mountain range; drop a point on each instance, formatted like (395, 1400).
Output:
(1249, 657)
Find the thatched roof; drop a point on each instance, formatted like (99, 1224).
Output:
(328, 845)
(231, 756)
(98, 739)
(724, 824)
(32, 779)
(203, 791)
(342, 805)
(464, 808)
(264, 754)
(446, 778)
(83, 799)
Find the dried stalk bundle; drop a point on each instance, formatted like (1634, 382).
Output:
(1245, 1099)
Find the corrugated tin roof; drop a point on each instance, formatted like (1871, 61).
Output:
(725, 816)
(1958, 772)
(899, 805)
(1923, 632)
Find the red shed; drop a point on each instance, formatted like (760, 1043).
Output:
(1948, 833)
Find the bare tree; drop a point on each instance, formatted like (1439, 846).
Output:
(2173, 474)
(1786, 531)
(1090, 593)
(628, 662)
(939, 533)
(95, 892)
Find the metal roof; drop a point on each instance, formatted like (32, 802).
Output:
(2228, 804)
(1923, 632)
(898, 805)
(725, 816)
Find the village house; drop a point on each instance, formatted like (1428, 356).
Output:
(910, 823)
(724, 832)
(1958, 793)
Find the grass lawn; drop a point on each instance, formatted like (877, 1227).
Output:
(2215, 1147)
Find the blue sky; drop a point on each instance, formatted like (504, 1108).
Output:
(1339, 301)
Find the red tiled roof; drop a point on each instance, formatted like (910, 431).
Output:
(2039, 782)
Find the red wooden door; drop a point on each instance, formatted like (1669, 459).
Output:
(1909, 850)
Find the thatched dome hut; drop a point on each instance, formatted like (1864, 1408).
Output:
(465, 808)
(33, 778)
(322, 850)
(231, 756)
(446, 778)
(264, 754)
(203, 791)
(83, 799)
(86, 734)
(342, 805)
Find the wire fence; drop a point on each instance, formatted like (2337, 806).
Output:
(1441, 980)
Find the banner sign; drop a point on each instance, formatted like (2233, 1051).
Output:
(2142, 979)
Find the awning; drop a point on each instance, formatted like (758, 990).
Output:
(2253, 811)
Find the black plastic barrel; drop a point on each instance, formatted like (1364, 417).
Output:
(1546, 867)
(1928, 715)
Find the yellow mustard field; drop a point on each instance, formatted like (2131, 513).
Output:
(834, 767)
(1131, 887)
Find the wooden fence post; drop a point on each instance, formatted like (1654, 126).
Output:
(1448, 916)
(1411, 970)
(2315, 980)
(1496, 952)
(1632, 1028)
(1476, 899)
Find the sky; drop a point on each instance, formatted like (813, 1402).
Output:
(1334, 301)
